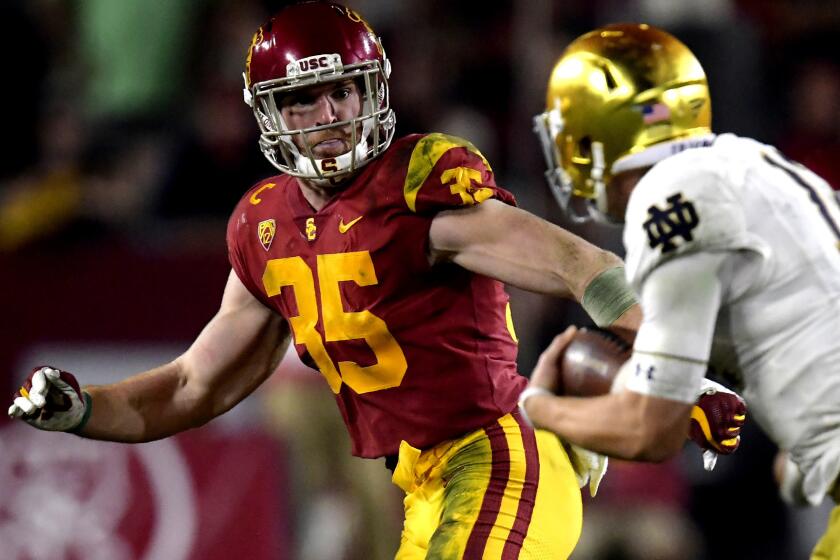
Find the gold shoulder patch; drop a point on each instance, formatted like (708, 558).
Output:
(425, 155)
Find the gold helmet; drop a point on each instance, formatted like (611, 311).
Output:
(620, 97)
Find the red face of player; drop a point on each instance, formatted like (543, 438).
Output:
(319, 105)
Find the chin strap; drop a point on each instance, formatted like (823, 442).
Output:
(309, 166)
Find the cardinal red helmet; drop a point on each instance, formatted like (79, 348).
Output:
(315, 43)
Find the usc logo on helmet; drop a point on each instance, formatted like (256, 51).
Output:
(356, 18)
(351, 15)
(314, 63)
(255, 40)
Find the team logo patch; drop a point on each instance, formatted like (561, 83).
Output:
(330, 63)
(265, 231)
(461, 182)
(311, 229)
(344, 228)
(664, 226)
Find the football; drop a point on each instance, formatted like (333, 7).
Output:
(592, 359)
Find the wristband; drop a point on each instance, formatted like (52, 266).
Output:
(608, 296)
(709, 387)
(529, 392)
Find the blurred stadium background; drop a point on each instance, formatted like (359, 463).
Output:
(126, 146)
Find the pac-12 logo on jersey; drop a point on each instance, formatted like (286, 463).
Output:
(265, 231)
(663, 226)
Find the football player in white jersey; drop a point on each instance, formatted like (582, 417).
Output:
(733, 250)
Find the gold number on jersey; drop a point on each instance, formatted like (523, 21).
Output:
(390, 366)
(460, 180)
(294, 272)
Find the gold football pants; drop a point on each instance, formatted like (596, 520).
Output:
(501, 493)
(828, 548)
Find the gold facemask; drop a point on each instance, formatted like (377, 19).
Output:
(616, 92)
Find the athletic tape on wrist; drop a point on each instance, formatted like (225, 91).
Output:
(88, 409)
(524, 396)
(608, 296)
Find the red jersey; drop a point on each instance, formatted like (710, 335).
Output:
(412, 351)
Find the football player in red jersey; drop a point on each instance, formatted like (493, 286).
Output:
(384, 262)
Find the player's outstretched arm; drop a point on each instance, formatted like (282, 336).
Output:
(237, 350)
(523, 250)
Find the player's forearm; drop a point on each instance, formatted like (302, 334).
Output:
(141, 408)
(625, 425)
(220, 369)
(519, 249)
(545, 258)
(563, 264)
(549, 259)
(235, 352)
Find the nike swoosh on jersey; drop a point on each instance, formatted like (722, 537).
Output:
(342, 227)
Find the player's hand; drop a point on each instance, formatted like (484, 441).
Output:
(546, 374)
(790, 479)
(590, 467)
(716, 420)
(52, 400)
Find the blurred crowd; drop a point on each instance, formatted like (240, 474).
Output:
(126, 140)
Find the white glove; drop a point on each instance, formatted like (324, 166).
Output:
(50, 399)
(589, 466)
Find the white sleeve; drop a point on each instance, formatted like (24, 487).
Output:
(680, 301)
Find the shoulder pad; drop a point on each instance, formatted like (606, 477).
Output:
(682, 207)
(470, 165)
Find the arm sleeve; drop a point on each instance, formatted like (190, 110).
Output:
(680, 299)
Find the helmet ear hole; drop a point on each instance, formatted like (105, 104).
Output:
(584, 151)
(609, 78)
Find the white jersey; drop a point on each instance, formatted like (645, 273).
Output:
(774, 228)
